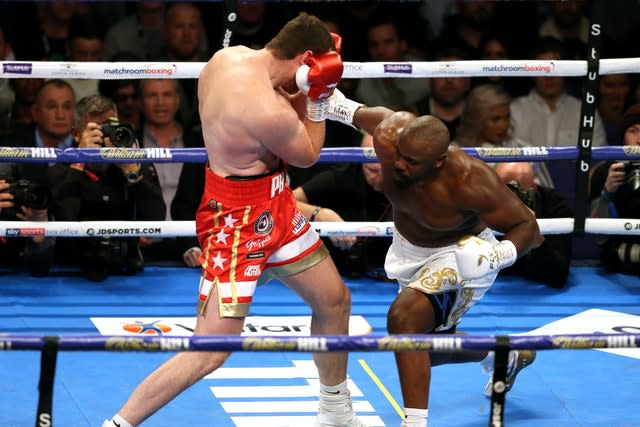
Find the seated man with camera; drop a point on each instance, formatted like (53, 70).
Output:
(350, 192)
(103, 192)
(614, 190)
(24, 186)
(23, 200)
(550, 262)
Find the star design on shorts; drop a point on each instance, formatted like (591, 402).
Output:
(229, 221)
(218, 261)
(222, 237)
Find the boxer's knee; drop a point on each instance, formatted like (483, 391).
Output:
(411, 313)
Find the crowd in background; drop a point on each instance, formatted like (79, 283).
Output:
(487, 111)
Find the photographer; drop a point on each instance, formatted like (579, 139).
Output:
(21, 200)
(350, 192)
(614, 190)
(550, 262)
(103, 191)
(24, 186)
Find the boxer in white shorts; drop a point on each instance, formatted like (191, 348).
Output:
(434, 272)
(444, 255)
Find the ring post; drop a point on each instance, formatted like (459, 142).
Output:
(49, 355)
(499, 383)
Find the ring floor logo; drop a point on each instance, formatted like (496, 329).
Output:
(184, 326)
(288, 394)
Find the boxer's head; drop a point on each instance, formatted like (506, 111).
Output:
(422, 147)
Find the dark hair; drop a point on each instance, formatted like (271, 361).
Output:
(630, 117)
(546, 45)
(109, 87)
(93, 105)
(59, 83)
(302, 33)
(85, 26)
(449, 51)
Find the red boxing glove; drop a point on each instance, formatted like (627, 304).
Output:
(337, 40)
(320, 75)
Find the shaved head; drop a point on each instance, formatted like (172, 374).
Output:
(521, 172)
(428, 132)
(390, 128)
(421, 150)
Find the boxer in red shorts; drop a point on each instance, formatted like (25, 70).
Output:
(250, 229)
(259, 110)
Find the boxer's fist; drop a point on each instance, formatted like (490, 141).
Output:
(341, 109)
(320, 75)
(477, 258)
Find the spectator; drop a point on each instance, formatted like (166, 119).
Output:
(21, 112)
(385, 44)
(466, 29)
(125, 93)
(614, 190)
(494, 48)
(568, 24)
(47, 37)
(103, 192)
(186, 201)
(548, 116)
(140, 33)
(52, 115)
(22, 200)
(53, 120)
(160, 129)
(257, 22)
(614, 92)
(186, 42)
(6, 95)
(446, 100)
(349, 193)
(486, 122)
(550, 262)
(85, 44)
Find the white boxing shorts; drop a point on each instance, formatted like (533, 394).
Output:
(434, 271)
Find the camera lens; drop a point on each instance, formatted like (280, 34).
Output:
(121, 137)
(633, 178)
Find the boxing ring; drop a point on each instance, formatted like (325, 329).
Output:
(82, 348)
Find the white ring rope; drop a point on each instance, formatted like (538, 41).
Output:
(185, 70)
(352, 70)
(325, 229)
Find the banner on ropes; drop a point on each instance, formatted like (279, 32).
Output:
(595, 321)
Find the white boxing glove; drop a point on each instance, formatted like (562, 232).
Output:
(477, 258)
(341, 109)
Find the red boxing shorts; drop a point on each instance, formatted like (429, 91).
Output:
(250, 231)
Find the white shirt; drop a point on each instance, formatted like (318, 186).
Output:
(534, 122)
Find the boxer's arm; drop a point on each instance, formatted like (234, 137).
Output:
(485, 194)
(368, 118)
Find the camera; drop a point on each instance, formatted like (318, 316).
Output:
(120, 135)
(632, 174)
(26, 193)
(104, 256)
(527, 196)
